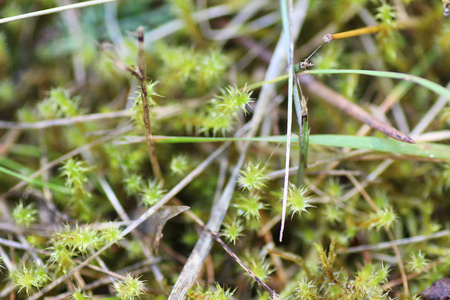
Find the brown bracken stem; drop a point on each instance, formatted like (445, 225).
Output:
(351, 109)
(140, 74)
(146, 107)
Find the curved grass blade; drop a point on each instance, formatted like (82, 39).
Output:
(432, 86)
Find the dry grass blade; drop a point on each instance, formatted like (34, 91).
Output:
(54, 10)
(204, 243)
(405, 241)
(65, 121)
(288, 30)
(272, 293)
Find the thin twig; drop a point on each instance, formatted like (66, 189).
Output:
(65, 121)
(272, 293)
(351, 109)
(146, 107)
(140, 75)
(399, 260)
(405, 241)
(8, 140)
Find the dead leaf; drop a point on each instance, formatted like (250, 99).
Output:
(155, 224)
(439, 290)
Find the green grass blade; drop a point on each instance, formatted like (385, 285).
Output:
(432, 86)
(51, 186)
(304, 144)
(26, 150)
(13, 165)
(407, 77)
(428, 150)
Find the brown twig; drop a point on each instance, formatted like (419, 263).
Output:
(351, 109)
(276, 260)
(8, 140)
(146, 107)
(271, 292)
(140, 75)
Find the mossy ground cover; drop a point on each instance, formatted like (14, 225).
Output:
(144, 145)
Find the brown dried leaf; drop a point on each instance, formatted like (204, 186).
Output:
(439, 290)
(158, 220)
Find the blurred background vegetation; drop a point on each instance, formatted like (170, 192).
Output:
(198, 55)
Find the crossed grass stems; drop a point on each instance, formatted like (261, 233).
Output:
(302, 65)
